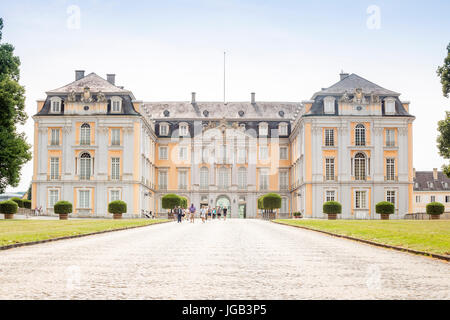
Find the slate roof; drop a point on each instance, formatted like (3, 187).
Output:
(424, 178)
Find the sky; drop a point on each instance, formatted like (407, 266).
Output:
(281, 50)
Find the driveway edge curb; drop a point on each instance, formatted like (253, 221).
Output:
(17, 245)
(387, 246)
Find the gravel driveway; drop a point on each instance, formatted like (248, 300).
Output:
(234, 259)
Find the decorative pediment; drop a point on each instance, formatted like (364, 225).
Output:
(359, 97)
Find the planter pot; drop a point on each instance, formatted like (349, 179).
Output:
(332, 216)
(297, 217)
(63, 216)
(384, 216)
(9, 215)
(435, 216)
(117, 215)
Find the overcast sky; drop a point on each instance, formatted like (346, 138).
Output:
(282, 50)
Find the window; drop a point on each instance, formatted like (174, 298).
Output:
(85, 166)
(329, 105)
(447, 198)
(263, 129)
(85, 199)
(223, 178)
(53, 197)
(114, 195)
(329, 137)
(390, 137)
(390, 169)
(54, 168)
(360, 135)
(284, 180)
(329, 168)
(283, 129)
(263, 179)
(55, 104)
(283, 153)
(163, 153)
(115, 137)
(85, 133)
(390, 196)
(55, 137)
(263, 153)
(330, 195)
(360, 199)
(284, 205)
(162, 180)
(417, 199)
(116, 104)
(360, 166)
(115, 168)
(182, 180)
(204, 178)
(182, 153)
(183, 130)
(163, 129)
(242, 155)
(242, 178)
(389, 106)
(432, 198)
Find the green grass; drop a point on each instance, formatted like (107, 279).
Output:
(20, 231)
(431, 236)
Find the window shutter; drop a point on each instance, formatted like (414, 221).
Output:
(368, 166)
(351, 170)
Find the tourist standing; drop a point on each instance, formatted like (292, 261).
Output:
(225, 210)
(192, 212)
(219, 212)
(203, 214)
(214, 213)
(209, 213)
(179, 212)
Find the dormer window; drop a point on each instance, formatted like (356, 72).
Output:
(283, 129)
(263, 129)
(55, 105)
(116, 104)
(163, 129)
(183, 129)
(389, 106)
(329, 105)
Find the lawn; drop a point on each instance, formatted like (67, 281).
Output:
(19, 231)
(432, 236)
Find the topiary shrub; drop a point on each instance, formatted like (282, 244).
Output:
(184, 203)
(18, 201)
(435, 208)
(27, 204)
(117, 206)
(62, 207)
(8, 207)
(384, 207)
(169, 201)
(271, 201)
(332, 207)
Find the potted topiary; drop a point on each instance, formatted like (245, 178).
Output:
(385, 208)
(435, 209)
(271, 201)
(117, 208)
(8, 208)
(19, 202)
(63, 208)
(297, 215)
(27, 204)
(332, 209)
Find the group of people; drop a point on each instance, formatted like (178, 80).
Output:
(206, 213)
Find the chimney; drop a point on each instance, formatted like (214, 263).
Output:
(111, 78)
(414, 173)
(343, 75)
(253, 97)
(79, 74)
(193, 97)
(435, 174)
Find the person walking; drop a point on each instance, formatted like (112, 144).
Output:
(203, 214)
(192, 212)
(179, 213)
(219, 212)
(209, 213)
(225, 210)
(214, 213)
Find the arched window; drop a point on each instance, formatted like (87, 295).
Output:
(85, 134)
(360, 166)
(204, 178)
(360, 135)
(85, 166)
(242, 178)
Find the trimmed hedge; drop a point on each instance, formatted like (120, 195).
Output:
(27, 204)
(297, 214)
(169, 201)
(271, 201)
(384, 207)
(332, 207)
(8, 207)
(184, 203)
(260, 203)
(62, 207)
(117, 206)
(435, 208)
(18, 201)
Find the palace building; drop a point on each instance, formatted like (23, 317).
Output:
(351, 142)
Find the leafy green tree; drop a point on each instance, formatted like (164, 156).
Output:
(14, 150)
(443, 141)
(444, 73)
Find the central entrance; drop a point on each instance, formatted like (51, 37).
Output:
(224, 202)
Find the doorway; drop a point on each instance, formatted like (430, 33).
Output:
(242, 211)
(224, 202)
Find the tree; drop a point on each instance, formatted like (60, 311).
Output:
(443, 141)
(14, 150)
(444, 73)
